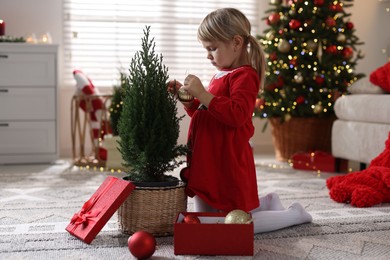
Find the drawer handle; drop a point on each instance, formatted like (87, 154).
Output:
(3, 56)
(4, 124)
(3, 90)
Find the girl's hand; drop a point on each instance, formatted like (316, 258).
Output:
(195, 87)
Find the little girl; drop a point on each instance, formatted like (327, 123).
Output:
(221, 174)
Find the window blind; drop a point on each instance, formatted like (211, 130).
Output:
(101, 36)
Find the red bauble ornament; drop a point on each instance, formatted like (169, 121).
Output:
(319, 80)
(347, 52)
(293, 62)
(336, 7)
(332, 49)
(349, 25)
(330, 22)
(294, 24)
(274, 19)
(272, 56)
(300, 100)
(142, 244)
(191, 219)
(319, 2)
(271, 87)
(259, 102)
(173, 86)
(280, 82)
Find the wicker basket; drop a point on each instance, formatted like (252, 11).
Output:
(301, 134)
(152, 209)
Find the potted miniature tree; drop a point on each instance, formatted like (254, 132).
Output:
(149, 130)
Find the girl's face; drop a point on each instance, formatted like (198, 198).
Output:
(223, 55)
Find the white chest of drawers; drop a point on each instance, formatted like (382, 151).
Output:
(28, 103)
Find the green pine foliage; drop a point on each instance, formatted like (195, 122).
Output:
(149, 125)
(311, 58)
(116, 104)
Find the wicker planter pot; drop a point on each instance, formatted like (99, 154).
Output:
(153, 209)
(301, 134)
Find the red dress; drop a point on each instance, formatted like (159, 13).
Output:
(221, 165)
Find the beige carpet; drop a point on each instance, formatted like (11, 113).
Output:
(37, 202)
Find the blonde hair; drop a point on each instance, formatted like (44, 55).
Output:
(225, 23)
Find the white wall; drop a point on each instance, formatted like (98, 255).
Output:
(24, 17)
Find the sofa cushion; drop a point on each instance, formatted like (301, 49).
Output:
(358, 141)
(364, 86)
(372, 108)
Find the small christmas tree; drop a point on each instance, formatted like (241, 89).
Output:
(311, 51)
(149, 125)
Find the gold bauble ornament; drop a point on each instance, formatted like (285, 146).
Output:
(341, 37)
(312, 45)
(298, 78)
(270, 35)
(184, 96)
(284, 46)
(238, 216)
(317, 108)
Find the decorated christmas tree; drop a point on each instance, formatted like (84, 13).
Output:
(149, 124)
(311, 52)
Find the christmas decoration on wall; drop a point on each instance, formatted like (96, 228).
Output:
(311, 54)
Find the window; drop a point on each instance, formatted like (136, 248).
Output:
(101, 36)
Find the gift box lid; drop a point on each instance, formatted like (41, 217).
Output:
(96, 212)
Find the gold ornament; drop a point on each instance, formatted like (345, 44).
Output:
(284, 46)
(184, 95)
(270, 35)
(312, 45)
(319, 52)
(282, 93)
(238, 216)
(317, 108)
(298, 78)
(341, 37)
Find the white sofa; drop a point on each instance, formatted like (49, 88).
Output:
(363, 124)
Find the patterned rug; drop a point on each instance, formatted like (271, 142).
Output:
(37, 202)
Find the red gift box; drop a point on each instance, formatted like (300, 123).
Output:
(212, 236)
(95, 213)
(318, 161)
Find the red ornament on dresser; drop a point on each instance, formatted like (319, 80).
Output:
(2, 27)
